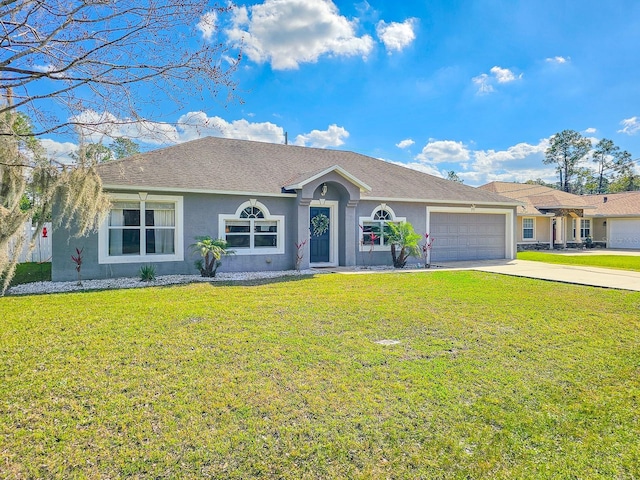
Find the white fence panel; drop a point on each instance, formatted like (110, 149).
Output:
(42, 250)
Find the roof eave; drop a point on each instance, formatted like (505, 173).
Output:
(444, 201)
(146, 188)
(564, 207)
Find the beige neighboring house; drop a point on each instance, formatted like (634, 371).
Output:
(616, 219)
(549, 218)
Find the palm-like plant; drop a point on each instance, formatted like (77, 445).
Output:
(211, 250)
(404, 242)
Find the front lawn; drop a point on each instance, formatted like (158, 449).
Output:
(623, 262)
(494, 376)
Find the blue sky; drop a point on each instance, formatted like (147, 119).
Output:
(477, 87)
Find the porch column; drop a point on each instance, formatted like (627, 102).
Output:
(350, 233)
(303, 232)
(578, 225)
(551, 240)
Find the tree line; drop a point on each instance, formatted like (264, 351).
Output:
(612, 169)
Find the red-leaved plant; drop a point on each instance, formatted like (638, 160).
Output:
(77, 259)
(372, 241)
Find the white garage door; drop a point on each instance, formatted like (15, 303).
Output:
(467, 236)
(624, 233)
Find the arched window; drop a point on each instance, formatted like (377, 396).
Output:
(252, 212)
(253, 230)
(374, 229)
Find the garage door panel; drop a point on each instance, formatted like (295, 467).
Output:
(624, 233)
(467, 236)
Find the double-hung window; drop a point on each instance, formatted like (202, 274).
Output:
(585, 227)
(142, 228)
(253, 230)
(528, 232)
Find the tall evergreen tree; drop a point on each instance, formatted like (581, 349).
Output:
(566, 150)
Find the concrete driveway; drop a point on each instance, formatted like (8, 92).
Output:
(579, 275)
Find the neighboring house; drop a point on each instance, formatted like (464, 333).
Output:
(550, 218)
(264, 198)
(616, 219)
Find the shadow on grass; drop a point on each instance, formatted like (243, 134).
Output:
(142, 284)
(262, 281)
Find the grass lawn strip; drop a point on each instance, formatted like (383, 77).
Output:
(495, 376)
(31, 272)
(621, 262)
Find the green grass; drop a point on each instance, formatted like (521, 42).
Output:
(622, 262)
(31, 272)
(495, 377)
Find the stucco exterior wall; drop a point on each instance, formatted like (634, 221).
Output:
(541, 234)
(200, 218)
(598, 229)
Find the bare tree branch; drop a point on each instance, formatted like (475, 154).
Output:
(89, 54)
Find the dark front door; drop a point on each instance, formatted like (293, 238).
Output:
(320, 229)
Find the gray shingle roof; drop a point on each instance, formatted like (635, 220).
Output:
(536, 197)
(213, 164)
(624, 204)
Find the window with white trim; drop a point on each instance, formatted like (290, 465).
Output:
(253, 230)
(528, 231)
(374, 230)
(142, 228)
(585, 227)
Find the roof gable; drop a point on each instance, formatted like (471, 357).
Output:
(305, 179)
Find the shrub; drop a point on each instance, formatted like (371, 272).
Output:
(147, 273)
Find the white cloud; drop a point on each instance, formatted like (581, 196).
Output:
(289, 32)
(331, 137)
(503, 75)
(240, 16)
(405, 143)
(104, 127)
(44, 68)
(558, 60)
(630, 126)
(483, 82)
(443, 151)
(590, 130)
(94, 127)
(207, 24)
(59, 151)
(195, 125)
(518, 163)
(492, 160)
(396, 36)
